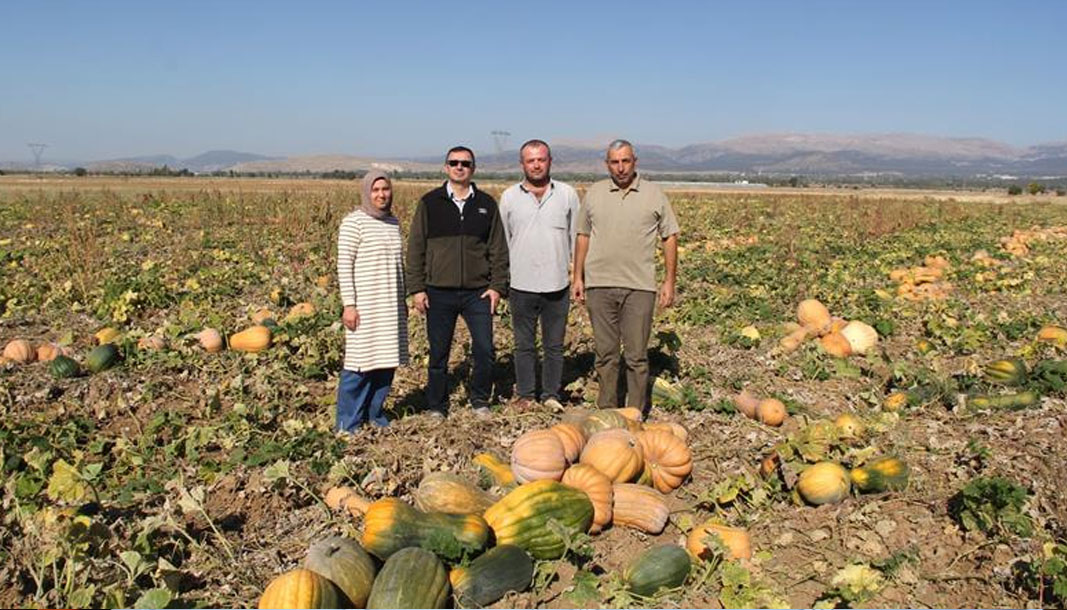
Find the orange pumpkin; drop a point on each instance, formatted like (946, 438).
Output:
(736, 540)
(836, 345)
(47, 352)
(639, 507)
(595, 485)
(771, 411)
(252, 339)
(616, 453)
(536, 455)
(667, 458)
(573, 439)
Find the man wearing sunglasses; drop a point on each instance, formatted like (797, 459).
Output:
(457, 265)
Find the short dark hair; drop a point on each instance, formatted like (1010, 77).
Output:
(535, 143)
(460, 149)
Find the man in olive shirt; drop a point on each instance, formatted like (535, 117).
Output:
(619, 225)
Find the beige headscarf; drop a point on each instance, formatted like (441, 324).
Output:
(365, 203)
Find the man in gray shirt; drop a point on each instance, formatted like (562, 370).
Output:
(621, 223)
(540, 218)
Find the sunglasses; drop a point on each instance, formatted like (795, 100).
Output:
(460, 163)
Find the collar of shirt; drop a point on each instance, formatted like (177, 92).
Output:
(634, 186)
(452, 193)
(548, 191)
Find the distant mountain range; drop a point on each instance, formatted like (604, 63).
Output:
(775, 154)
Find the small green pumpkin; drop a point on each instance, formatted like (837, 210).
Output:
(411, 578)
(102, 357)
(492, 575)
(882, 474)
(64, 367)
(665, 566)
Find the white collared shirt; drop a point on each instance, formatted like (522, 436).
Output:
(540, 235)
(456, 200)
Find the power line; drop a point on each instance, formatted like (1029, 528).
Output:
(38, 150)
(500, 139)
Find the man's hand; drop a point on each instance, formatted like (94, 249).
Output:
(422, 302)
(350, 317)
(578, 290)
(494, 298)
(666, 294)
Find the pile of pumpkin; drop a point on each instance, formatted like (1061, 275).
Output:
(61, 363)
(577, 476)
(925, 283)
(1018, 243)
(825, 481)
(838, 337)
(255, 338)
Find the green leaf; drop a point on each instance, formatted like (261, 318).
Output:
(277, 470)
(83, 597)
(153, 598)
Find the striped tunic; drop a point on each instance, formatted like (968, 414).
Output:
(370, 271)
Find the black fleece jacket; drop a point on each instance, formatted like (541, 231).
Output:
(447, 249)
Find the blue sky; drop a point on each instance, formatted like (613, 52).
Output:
(113, 79)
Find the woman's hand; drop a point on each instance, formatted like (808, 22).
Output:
(350, 317)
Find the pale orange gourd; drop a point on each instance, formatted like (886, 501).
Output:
(746, 403)
(536, 455)
(573, 439)
(836, 345)
(639, 507)
(616, 453)
(252, 339)
(736, 540)
(595, 485)
(667, 459)
(210, 340)
(672, 427)
(47, 352)
(813, 314)
(20, 350)
(771, 411)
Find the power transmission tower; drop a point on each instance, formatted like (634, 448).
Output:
(38, 150)
(500, 139)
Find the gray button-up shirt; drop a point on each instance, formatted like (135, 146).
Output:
(540, 235)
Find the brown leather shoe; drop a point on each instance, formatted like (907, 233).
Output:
(523, 404)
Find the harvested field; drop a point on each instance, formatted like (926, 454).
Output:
(189, 478)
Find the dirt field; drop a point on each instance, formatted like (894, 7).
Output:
(191, 478)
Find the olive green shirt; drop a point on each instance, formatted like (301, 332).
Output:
(624, 228)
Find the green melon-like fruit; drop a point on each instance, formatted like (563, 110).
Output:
(64, 367)
(102, 357)
(411, 578)
(659, 567)
(492, 575)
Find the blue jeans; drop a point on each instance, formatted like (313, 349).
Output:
(360, 397)
(551, 309)
(446, 304)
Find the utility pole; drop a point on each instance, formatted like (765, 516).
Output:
(38, 150)
(500, 139)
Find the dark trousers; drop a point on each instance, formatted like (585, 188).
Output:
(446, 304)
(551, 309)
(621, 313)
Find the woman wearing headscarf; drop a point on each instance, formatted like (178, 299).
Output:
(370, 271)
